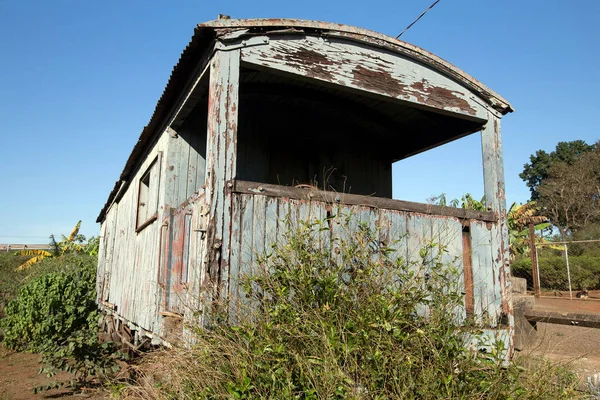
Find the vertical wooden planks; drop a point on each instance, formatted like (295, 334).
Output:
(247, 256)
(197, 239)
(415, 239)
(398, 236)
(171, 186)
(235, 257)
(483, 280)
(271, 223)
(450, 239)
(221, 161)
(493, 167)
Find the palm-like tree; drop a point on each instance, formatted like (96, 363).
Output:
(518, 218)
(73, 243)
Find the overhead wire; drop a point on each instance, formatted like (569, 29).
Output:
(418, 18)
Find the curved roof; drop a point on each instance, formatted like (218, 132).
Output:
(366, 36)
(205, 34)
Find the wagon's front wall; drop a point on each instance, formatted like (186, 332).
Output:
(244, 224)
(260, 221)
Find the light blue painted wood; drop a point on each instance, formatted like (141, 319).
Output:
(248, 258)
(399, 236)
(271, 223)
(415, 240)
(221, 157)
(449, 232)
(493, 167)
(259, 226)
(282, 218)
(483, 279)
(235, 253)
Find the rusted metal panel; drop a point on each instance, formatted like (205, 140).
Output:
(372, 70)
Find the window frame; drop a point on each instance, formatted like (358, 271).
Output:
(152, 188)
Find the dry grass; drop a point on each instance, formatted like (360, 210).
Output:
(353, 326)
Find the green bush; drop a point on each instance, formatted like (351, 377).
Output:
(585, 272)
(51, 307)
(355, 324)
(55, 314)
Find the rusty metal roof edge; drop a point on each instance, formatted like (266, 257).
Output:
(205, 32)
(494, 99)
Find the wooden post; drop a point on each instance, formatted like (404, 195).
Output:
(221, 163)
(500, 307)
(534, 263)
(495, 201)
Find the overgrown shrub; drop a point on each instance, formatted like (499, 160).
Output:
(352, 323)
(11, 279)
(55, 314)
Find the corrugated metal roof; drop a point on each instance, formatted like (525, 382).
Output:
(205, 34)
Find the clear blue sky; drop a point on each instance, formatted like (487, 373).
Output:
(80, 79)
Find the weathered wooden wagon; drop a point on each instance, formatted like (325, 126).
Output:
(254, 111)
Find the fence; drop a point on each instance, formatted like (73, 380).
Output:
(565, 276)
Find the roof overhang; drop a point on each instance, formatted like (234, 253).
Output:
(202, 43)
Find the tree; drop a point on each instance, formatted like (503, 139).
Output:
(570, 194)
(75, 243)
(541, 162)
(518, 218)
(467, 202)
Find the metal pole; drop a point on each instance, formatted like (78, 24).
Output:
(537, 268)
(534, 262)
(568, 271)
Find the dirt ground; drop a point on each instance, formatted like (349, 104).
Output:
(19, 375)
(570, 345)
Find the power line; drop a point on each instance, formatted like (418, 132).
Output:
(418, 18)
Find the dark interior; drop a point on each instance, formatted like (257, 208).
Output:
(296, 131)
(292, 131)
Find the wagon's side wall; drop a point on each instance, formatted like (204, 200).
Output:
(128, 256)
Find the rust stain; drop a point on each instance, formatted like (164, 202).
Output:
(379, 80)
(439, 97)
(315, 63)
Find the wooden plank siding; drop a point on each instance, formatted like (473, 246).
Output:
(128, 260)
(259, 222)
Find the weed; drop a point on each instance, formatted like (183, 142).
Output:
(355, 323)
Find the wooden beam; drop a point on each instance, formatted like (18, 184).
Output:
(359, 200)
(552, 317)
(370, 70)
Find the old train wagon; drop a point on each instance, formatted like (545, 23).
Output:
(256, 110)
